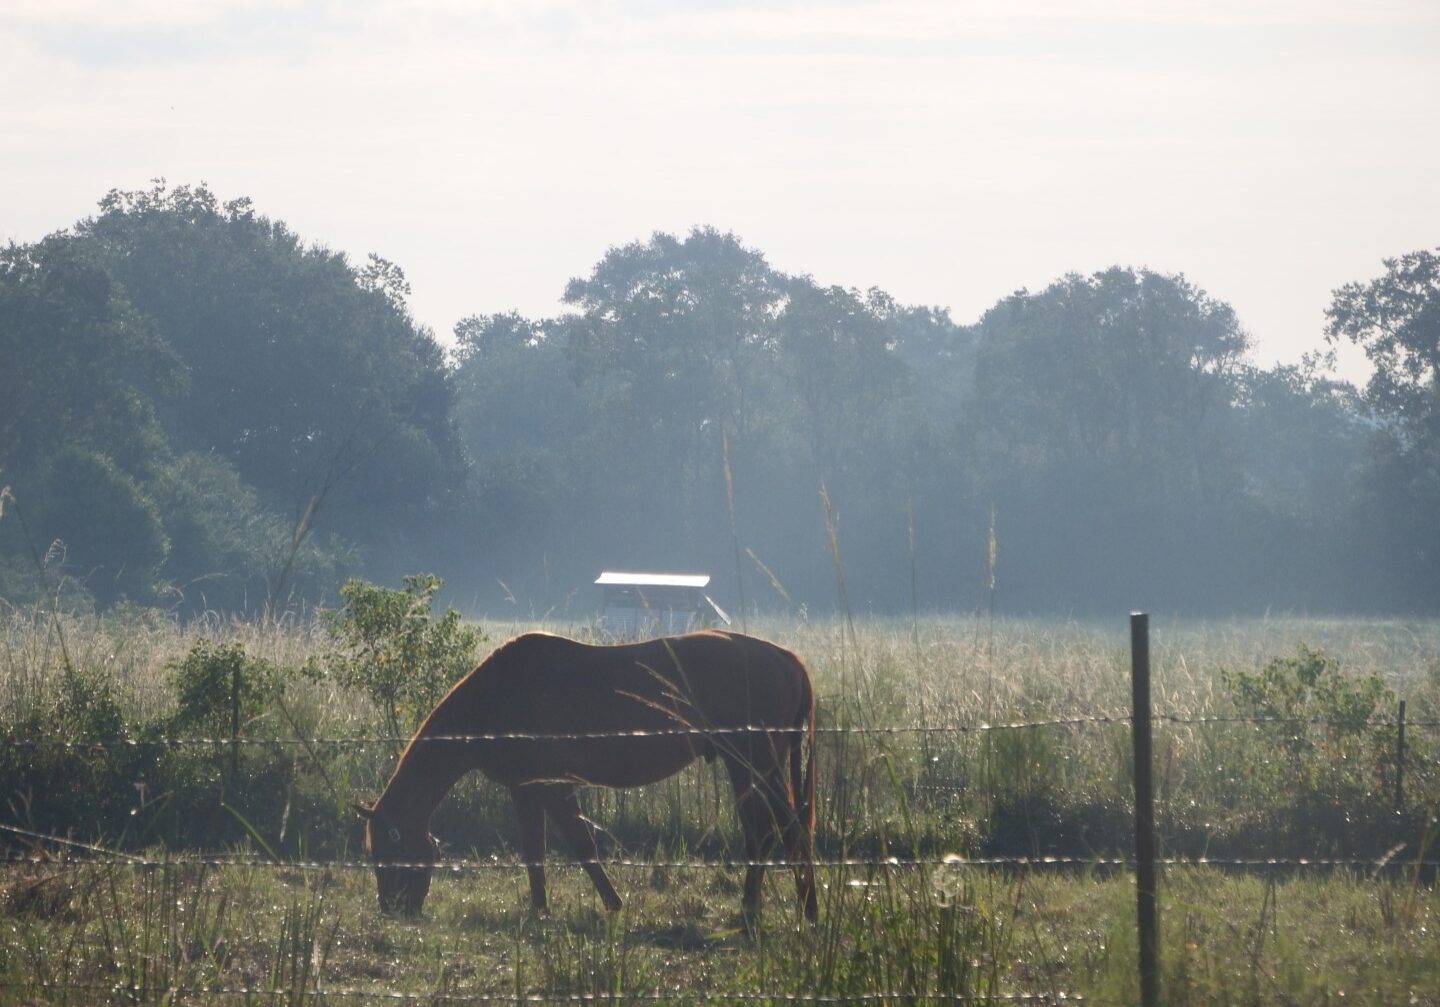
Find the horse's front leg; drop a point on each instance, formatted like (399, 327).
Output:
(530, 809)
(564, 808)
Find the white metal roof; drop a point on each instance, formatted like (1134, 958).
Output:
(654, 579)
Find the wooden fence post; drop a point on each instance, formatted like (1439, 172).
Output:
(1145, 908)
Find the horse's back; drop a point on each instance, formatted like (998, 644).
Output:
(624, 714)
(730, 679)
(753, 680)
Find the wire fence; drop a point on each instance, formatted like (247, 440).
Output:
(862, 730)
(669, 996)
(111, 858)
(94, 854)
(52, 850)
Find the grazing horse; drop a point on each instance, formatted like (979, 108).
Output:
(543, 715)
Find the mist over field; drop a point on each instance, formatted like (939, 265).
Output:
(202, 409)
(344, 346)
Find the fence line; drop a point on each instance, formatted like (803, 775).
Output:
(925, 729)
(102, 857)
(562, 736)
(457, 867)
(82, 854)
(457, 997)
(1313, 721)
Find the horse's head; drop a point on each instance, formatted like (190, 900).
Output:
(402, 888)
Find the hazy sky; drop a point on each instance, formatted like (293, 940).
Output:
(948, 152)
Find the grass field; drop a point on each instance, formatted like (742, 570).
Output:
(920, 830)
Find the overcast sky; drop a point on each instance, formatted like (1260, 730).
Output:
(947, 152)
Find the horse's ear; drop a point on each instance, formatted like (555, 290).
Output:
(367, 813)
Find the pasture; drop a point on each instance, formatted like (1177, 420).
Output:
(974, 802)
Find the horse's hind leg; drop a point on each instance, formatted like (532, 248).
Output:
(800, 851)
(564, 808)
(799, 837)
(760, 804)
(530, 809)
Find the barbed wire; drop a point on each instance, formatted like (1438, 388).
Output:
(101, 856)
(1312, 721)
(479, 866)
(93, 855)
(460, 997)
(666, 732)
(822, 730)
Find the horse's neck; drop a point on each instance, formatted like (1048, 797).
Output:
(425, 774)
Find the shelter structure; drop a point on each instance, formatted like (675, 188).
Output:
(642, 605)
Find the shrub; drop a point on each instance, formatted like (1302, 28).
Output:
(1317, 769)
(393, 651)
(217, 683)
(1316, 709)
(76, 771)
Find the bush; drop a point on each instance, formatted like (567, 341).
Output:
(75, 771)
(217, 684)
(220, 692)
(1317, 770)
(1316, 711)
(394, 652)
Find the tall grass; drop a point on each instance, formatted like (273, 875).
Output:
(911, 917)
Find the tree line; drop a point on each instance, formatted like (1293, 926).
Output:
(200, 409)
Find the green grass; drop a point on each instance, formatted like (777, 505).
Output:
(919, 928)
(1225, 938)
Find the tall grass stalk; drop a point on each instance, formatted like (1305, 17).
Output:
(734, 529)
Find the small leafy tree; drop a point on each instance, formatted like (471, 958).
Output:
(394, 651)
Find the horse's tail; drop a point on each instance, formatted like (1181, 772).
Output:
(802, 786)
(802, 762)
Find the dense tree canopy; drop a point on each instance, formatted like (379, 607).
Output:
(1120, 368)
(244, 389)
(78, 431)
(198, 406)
(307, 375)
(82, 367)
(1396, 319)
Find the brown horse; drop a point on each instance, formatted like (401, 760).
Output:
(543, 715)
